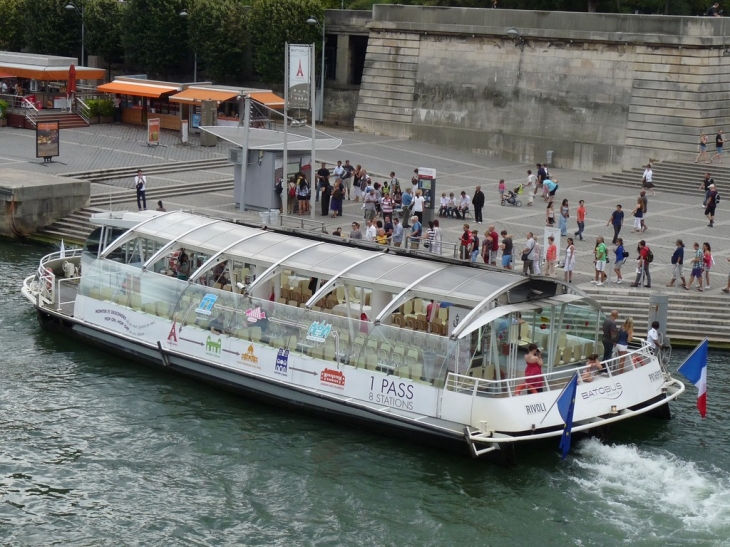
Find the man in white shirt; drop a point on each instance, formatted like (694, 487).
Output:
(371, 231)
(463, 207)
(530, 187)
(338, 171)
(653, 338)
(444, 207)
(140, 184)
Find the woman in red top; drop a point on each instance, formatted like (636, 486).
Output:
(551, 255)
(533, 359)
(465, 243)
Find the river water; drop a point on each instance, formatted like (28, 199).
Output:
(96, 450)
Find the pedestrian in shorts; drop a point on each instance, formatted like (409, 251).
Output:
(719, 143)
(677, 263)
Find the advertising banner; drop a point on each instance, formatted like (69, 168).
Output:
(153, 132)
(299, 76)
(46, 139)
(427, 184)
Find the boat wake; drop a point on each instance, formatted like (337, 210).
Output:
(654, 494)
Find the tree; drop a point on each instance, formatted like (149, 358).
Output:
(50, 28)
(154, 36)
(104, 29)
(11, 25)
(217, 30)
(273, 23)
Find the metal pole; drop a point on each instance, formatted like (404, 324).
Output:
(285, 159)
(312, 179)
(195, 66)
(83, 34)
(321, 79)
(244, 166)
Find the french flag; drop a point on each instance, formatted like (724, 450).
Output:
(694, 369)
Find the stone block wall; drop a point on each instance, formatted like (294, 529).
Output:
(601, 91)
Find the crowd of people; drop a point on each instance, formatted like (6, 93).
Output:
(385, 204)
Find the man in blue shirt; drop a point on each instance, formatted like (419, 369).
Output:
(416, 232)
(406, 201)
(617, 220)
(678, 262)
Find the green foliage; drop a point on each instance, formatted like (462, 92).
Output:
(217, 30)
(4, 109)
(11, 25)
(154, 36)
(50, 28)
(273, 23)
(104, 29)
(100, 107)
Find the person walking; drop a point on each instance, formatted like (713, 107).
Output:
(705, 187)
(551, 257)
(616, 220)
(564, 216)
(581, 216)
(620, 259)
(638, 214)
(642, 271)
(601, 258)
(530, 187)
(711, 204)
(703, 148)
(697, 264)
(140, 184)
(478, 203)
(645, 210)
(569, 264)
(646, 180)
(677, 263)
(719, 143)
(707, 262)
(550, 214)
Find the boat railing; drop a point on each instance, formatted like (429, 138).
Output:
(551, 381)
(48, 281)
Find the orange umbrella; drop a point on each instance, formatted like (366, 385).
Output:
(71, 88)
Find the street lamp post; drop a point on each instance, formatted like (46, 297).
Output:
(184, 14)
(72, 6)
(314, 21)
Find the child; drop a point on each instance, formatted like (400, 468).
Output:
(550, 214)
(502, 187)
(593, 367)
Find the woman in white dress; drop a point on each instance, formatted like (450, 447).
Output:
(569, 264)
(436, 238)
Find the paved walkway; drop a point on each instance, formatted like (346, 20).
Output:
(670, 216)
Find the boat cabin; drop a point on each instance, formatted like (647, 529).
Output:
(378, 309)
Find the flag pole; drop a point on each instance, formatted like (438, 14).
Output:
(558, 397)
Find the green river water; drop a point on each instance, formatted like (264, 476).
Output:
(97, 450)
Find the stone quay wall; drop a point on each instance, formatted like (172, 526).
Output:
(601, 91)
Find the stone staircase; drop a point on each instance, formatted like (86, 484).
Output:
(385, 102)
(692, 316)
(75, 228)
(674, 177)
(65, 120)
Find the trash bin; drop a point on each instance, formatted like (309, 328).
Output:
(550, 157)
(429, 365)
(274, 217)
(265, 218)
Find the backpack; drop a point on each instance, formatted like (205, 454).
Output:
(717, 198)
(650, 257)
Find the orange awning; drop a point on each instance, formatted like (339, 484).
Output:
(4, 75)
(45, 73)
(198, 94)
(268, 98)
(138, 89)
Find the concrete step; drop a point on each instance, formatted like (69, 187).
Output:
(153, 194)
(102, 175)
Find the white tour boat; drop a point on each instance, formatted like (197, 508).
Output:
(427, 349)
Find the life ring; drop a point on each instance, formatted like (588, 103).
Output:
(636, 361)
(49, 279)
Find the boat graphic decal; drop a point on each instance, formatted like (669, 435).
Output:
(282, 362)
(332, 378)
(249, 358)
(206, 305)
(604, 392)
(172, 336)
(213, 347)
(318, 332)
(253, 315)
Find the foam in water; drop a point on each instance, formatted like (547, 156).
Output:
(638, 487)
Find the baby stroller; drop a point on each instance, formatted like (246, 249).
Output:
(511, 196)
